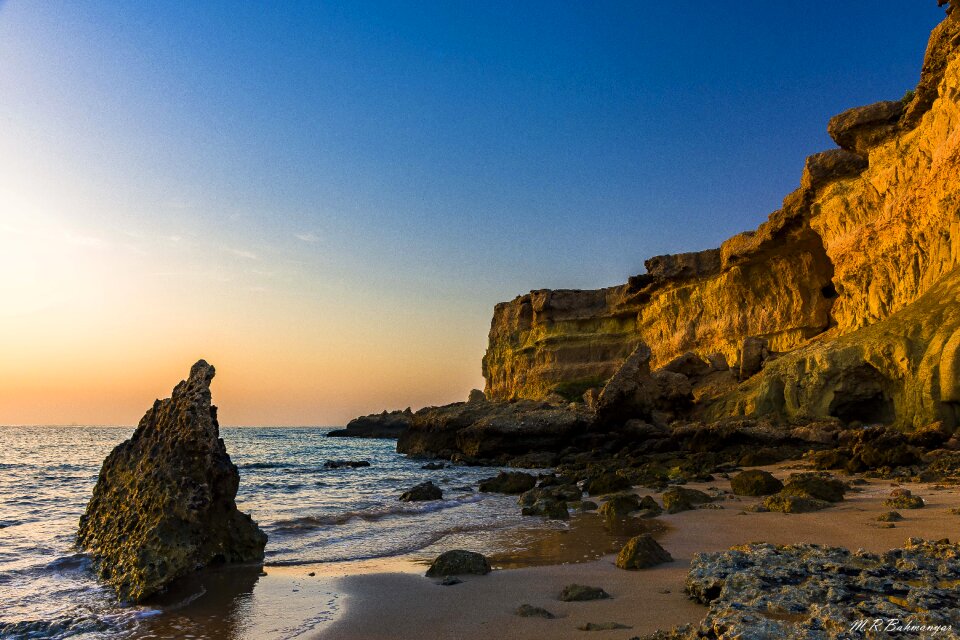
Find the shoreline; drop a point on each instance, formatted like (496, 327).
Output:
(404, 604)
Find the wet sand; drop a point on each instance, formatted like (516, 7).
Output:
(402, 603)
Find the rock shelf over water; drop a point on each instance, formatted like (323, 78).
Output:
(163, 505)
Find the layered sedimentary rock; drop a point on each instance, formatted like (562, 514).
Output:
(853, 279)
(163, 505)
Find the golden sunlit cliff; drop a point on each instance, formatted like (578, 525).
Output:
(848, 293)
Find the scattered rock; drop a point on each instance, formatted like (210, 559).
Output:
(606, 483)
(458, 562)
(163, 504)
(584, 505)
(530, 611)
(422, 492)
(677, 499)
(580, 593)
(434, 466)
(509, 482)
(904, 499)
(450, 581)
(642, 552)
(620, 505)
(815, 485)
(755, 482)
(787, 503)
(548, 508)
(602, 626)
(890, 516)
(341, 464)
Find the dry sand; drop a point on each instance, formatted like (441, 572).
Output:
(403, 604)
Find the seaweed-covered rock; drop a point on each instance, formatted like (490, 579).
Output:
(163, 504)
(422, 492)
(509, 482)
(642, 552)
(755, 482)
(562, 492)
(904, 499)
(345, 464)
(889, 516)
(580, 593)
(677, 499)
(458, 562)
(815, 485)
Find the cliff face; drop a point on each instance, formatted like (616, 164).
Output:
(874, 226)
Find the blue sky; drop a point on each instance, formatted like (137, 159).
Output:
(360, 178)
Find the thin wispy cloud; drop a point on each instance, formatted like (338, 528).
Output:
(308, 237)
(242, 253)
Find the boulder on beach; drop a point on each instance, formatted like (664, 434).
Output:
(755, 482)
(458, 562)
(509, 482)
(581, 592)
(422, 492)
(530, 611)
(620, 505)
(642, 552)
(163, 504)
(904, 499)
(787, 503)
(815, 485)
(677, 499)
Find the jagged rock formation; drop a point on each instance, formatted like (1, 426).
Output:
(855, 279)
(376, 425)
(163, 505)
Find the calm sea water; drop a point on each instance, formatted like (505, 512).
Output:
(311, 514)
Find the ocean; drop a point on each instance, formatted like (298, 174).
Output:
(313, 516)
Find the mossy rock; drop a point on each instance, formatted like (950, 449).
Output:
(904, 499)
(459, 562)
(755, 482)
(642, 552)
(889, 516)
(790, 503)
(815, 485)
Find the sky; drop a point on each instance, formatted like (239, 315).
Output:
(326, 199)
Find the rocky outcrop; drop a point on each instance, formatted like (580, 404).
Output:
(163, 504)
(812, 591)
(376, 425)
(488, 430)
(843, 303)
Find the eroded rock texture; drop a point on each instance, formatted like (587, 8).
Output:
(855, 279)
(163, 505)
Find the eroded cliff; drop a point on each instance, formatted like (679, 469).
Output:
(844, 266)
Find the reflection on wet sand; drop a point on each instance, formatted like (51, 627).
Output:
(242, 603)
(589, 537)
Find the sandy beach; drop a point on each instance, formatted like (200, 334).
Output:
(401, 603)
